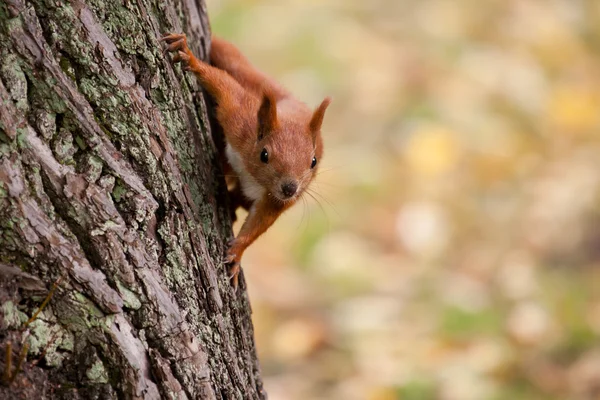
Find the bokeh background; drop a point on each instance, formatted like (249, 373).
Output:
(452, 247)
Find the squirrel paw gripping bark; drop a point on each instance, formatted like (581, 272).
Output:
(232, 258)
(177, 43)
(234, 273)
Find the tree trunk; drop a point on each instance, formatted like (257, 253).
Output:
(111, 193)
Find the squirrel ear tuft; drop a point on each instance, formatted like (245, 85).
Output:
(317, 119)
(267, 115)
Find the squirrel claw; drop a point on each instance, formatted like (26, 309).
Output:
(177, 45)
(181, 56)
(229, 259)
(173, 37)
(234, 273)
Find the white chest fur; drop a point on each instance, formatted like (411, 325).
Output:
(250, 187)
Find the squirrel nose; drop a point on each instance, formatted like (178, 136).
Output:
(289, 189)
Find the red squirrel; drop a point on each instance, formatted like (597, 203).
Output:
(273, 141)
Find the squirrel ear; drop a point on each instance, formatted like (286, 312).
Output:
(267, 116)
(317, 118)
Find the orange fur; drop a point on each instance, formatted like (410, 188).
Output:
(257, 116)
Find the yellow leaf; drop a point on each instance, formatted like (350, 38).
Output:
(574, 110)
(432, 151)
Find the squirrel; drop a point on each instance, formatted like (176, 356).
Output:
(273, 142)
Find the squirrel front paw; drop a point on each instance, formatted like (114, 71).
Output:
(233, 258)
(177, 43)
(234, 273)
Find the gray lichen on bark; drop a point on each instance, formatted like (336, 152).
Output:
(109, 180)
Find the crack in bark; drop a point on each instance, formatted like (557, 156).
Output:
(8, 119)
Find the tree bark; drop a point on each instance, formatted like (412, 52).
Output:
(112, 194)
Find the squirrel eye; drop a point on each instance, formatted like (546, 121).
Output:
(264, 156)
(314, 162)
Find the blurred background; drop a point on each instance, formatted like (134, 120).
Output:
(450, 248)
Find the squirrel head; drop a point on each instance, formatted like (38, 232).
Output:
(288, 148)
